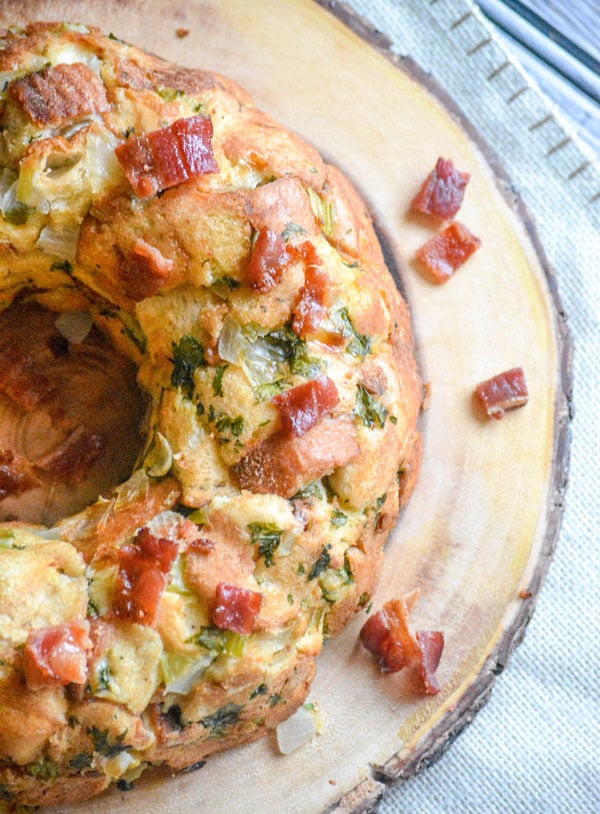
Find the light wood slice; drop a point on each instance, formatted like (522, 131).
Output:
(484, 519)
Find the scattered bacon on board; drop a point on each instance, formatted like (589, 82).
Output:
(301, 407)
(503, 392)
(237, 608)
(448, 250)
(57, 655)
(443, 191)
(165, 158)
(388, 636)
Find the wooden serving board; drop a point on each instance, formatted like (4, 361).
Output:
(484, 519)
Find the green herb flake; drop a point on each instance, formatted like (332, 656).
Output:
(169, 94)
(265, 392)
(102, 744)
(292, 230)
(301, 569)
(321, 564)
(18, 213)
(260, 690)
(361, 344)
(81, 761)
(223, 285)
(268, 537)
(363, 599)
(62, 265)
(370, 411)
(314, 489)
(222, 719)
(290, 599)
(188, 355)
(129, 131)
(275, 699)
(338, 518)
(217, 382)
(235, 426)
(295, 352)
(103, 678)
(43, 769)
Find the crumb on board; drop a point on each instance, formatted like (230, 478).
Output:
(182, 32)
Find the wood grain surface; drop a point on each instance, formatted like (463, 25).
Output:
(484, 519)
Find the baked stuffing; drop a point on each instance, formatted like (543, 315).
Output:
(182, 613)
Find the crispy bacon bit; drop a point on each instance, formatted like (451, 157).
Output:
(443, 191)
(237, 608)
(314, 294)
(60, 93)
(142, 577)
(448, 250)
(202, 545)
(165, 158)
(57, 655)
(269, 260)
(387, 635)
(282, 464)
(301, 407)
(74, 456)
(21, 381)
(16, 474)
(503, 392)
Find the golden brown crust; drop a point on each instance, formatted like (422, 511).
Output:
(296, 518)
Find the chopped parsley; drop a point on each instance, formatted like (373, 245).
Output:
(338, 518)
(268, 537)
(18, 213)
(295, 352)
(217, 382)
(103, 678)
(188, 355)
(360, 344)
(265, 392)
(129, 131)
(314, 489)
(370, 411)
(62, 265)
(43, 769)
(321, 563)
(262, 689)
(226, 423)
(81, 761)
(291, 230)
(169, 94)
(101, 742)
(222, 719)
(226, 282)
(275, 699)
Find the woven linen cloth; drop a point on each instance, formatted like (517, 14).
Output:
(534, 748)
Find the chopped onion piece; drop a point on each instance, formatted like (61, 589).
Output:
(158, 460)
(232, 342)
(183, 684)
(75, 325)
(296, 731)
(165, 524)
(59, 243)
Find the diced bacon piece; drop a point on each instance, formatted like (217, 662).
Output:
(237, 608)
(282, 464)
(57, 655)
(431, 645)
(22, 381)
(60, 93)
(503, 392)
(75, 455)
(387, 635)
(142, 577)
(16, 474)
(269, 260)
(301, 407)
(443, 190)
(448, 250)
(165, 158)
(314, 294)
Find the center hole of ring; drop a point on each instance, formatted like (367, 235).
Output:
(71, 414)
